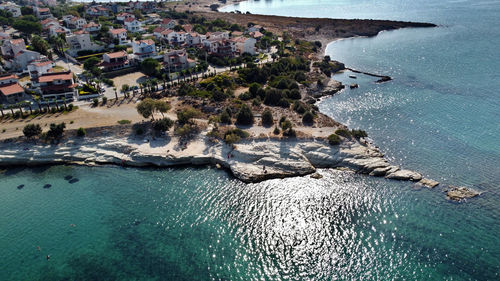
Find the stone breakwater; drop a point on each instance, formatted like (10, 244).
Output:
(250, 161)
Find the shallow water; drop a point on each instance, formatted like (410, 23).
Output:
(439, 116)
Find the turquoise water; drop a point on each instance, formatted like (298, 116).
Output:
(439, 116)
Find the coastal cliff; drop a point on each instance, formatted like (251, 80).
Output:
(251, 160)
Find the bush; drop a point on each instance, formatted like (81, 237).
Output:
(272, 97)
(246, 96)
(163, 125)
(290, 133)
(56, 131)
(186, 115)
(299, 107)
(232, 138)
(359, 134)
(343, 133)
(267, 118)
(139, 131)
(256, 101)
(238, 132)
(70, 107)
(254, 88)
(186, 130)
(276, 131)
(32, 130)
(95, 102)
(285, 125)
(104, 100)
(334, 139)
(81, 132)
(294, 94)
(308, 118)
(244, 116)
(284, 103)
(124, 121)
(225, 117)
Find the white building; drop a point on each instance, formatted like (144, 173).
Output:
(74, 22)
(55, 86)
(92, 27)
(168, 23)
(176, 60)
(133, 25)
(98, 11)
(123, 16)
(39, 67)
(144, 49)
(80, 41)
(194, 38)
(245, 45)
(120, 34)
(42, 13)
(11, 47)
(219, 35)
(115, 61)
(22, 59)
(14, 9)
(56, 30)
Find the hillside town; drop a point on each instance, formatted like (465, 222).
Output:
(56, 52)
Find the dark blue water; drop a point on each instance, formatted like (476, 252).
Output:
(440, 116)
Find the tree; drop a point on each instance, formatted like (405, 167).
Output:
(163, 124)
(1, 110)
(25, 10)
(32, 130)
(267, 118)
(225, 116)
(244, 116)
(187, 115)
(27, 27)
(149, 66)
(334, 139)
(40, 45)
(146, 108)
(162, 107)
(81, 132)
(56, 131)
(308, 118)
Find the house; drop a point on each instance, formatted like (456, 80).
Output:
(220, 47)
(74, 22)
(80, 41)
(245, 45)
(22, 59)
(56, 85)
(119, 34)
(39, 67)
(56, 30)
(92, 27)
(218, 35)
(115, 61)
(14, 9)
(177, 38)
(12, 46)
(42, 13)
(121, 17)
(236, 34)
(98, 11)
(144, 49)
(48, 23)
(144, 6)
(10, 90)
(194, 38)
(133, 25)
(254, 28)
(168, 23)
(188, 28)
(257, 35)
(177, 60)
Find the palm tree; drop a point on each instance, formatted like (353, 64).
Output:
(11, 109)
(1, 110)
(37, 100)
(20, 106)
(116, 94)
(87, 75)
(30, 107)
(46, 100)
(64, 101)
(57, 105)
(154, 84)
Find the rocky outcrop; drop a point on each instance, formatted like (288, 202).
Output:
(459, 193)
(250, 161)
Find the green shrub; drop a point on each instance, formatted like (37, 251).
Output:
(95, 102)
(284, 103)
(81, 132)
(244, 116)
(267, 118)
(70, 107)
(124, 121)
(238, 132)
(232, 138)
(294, 94)
(343, 133)
(299, 107)
(104, 100)
(225, 117)
(256, 101)
(163, 125)
(285, 125)
(139, 131)
(334, 139)
(289, 133)
(276, 131)
(32, 130)
(308, 118)
(56, 131)
(246, 96)
(359, 134)
(187, 115)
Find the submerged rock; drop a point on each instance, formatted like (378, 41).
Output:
(428, 183)
(47, 186)
(353, 86)
(20, 186)
(74, 180)
(459, 193)
(68, 177)
(404, 175)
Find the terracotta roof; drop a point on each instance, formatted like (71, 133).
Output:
(117, 31)
(129, 20)
(43, 9)
(55, 76)
(80, 32)
(159, 29)
(166, 21)
(117, 54)
(256, 34)
(11, 76)
(147, 42)
(91, 24)
(11, 89)
(237, 33)
(16, 41)
(188, 27)
(43, 63)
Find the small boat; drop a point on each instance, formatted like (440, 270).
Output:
(353, 86)
(353, 76)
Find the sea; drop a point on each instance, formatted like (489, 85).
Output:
(440, 115)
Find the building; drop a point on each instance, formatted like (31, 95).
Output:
(121, 17)
(177, 60)
(254, 28)
(92, 27)
(80, 41)
(98, 11)
(39, 67)
(119, 34)
(218, 35)
(56, 30)
(14, 9)
(21, 60)
(10, 90)
(168, 23)
(48, 23)
(194, 39)
(220, 47)
(162, 33)
(42, 13)
(56, 86)
(144, 49)
(74, 22)
(115, 61)
(11, 47)
(245, 45)
(133, 25)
